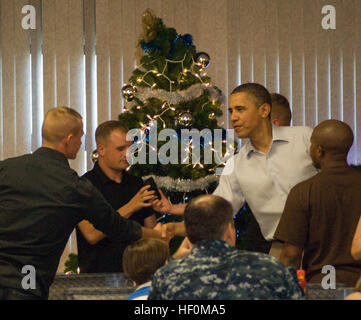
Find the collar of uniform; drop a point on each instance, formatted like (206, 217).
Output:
(213, 245)
(103, 178)
(52, 153)
(278, 134)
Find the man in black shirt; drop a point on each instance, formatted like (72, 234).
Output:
(41, 201)
(125, 193)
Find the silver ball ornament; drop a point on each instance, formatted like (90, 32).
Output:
(202, 59)
(185, 120)
(95, 156)
(128, 92)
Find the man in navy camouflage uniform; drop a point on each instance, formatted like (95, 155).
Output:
(214, 268)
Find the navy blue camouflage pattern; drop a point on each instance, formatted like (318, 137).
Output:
(215, 270)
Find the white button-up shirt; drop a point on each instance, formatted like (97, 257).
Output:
(264, 180)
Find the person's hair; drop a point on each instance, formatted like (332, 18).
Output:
(281, 107)
(206, 218)
(58, 123)
(106, 128)
(143, 258)
(258, 92)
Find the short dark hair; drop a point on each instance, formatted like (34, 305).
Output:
(206, 218)
(143, 258)
(106, 128)
(281, 107)
(259, 93)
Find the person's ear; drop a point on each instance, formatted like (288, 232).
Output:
(230, 234)
(276, 122)
(100, 149)
(265, 110)
(68, 138)
(320, 151)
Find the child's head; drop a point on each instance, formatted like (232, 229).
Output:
(143, 258)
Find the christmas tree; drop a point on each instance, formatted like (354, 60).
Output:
(170, 90)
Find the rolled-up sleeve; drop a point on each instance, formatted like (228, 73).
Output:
(229, 188)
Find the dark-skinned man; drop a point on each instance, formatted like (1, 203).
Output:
(321, 213)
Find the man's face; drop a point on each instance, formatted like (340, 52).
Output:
(75, 142)
(246, 116)
(314, 153)
(114, 151)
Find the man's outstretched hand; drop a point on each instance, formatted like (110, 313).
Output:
(165, 206)
(166, 231)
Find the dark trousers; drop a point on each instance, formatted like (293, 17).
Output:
(11, 294)
(254, 238)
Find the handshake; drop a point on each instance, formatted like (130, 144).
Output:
(168, 231)
(150, 196)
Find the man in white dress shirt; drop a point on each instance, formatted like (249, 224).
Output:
(271, 161)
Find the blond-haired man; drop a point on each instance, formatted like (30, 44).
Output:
(41, 201)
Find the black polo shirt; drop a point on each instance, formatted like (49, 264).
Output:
(41, 201)
(106, 255)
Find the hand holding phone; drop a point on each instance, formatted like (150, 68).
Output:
(153, 187)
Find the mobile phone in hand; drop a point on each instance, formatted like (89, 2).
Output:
(153, 186)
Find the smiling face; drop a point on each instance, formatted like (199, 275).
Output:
(246, 116)
(113, 151)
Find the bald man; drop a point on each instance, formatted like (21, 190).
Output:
(321, 213)
(41, 201)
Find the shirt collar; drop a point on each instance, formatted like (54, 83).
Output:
(214, 245)
(52, 153)
(278, 134)
(103, 178)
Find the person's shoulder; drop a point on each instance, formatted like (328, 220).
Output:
(16, 159)
(294, 130)
(258, 260)
(299, 129)
(84, 186)
(263, 266)
(355, 170)
(88, 174)
(133, 178)
(173, 266)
